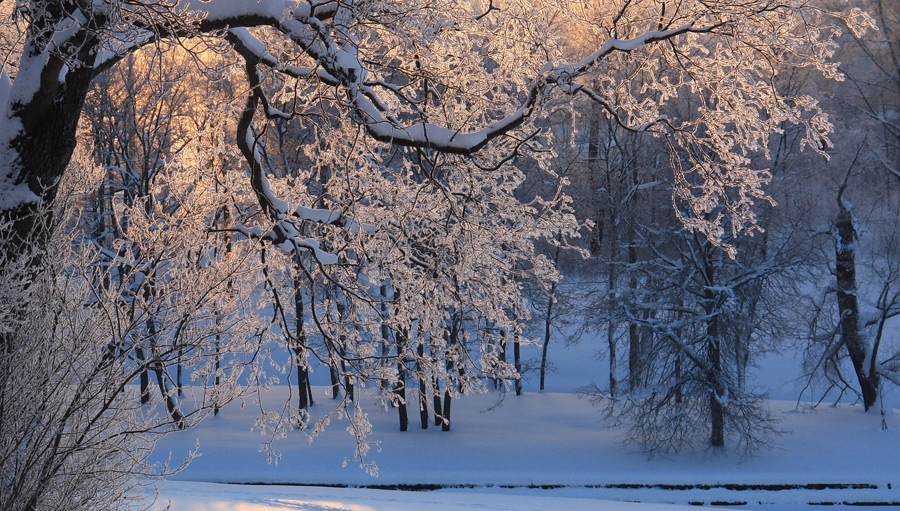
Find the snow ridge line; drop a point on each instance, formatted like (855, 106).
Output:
(758, 496)
(621, 486)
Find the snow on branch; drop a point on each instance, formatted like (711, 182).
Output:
(338, 64)
(563, 73)
(284, 233)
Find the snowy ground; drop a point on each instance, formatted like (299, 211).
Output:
(499, 455)
(217, 497)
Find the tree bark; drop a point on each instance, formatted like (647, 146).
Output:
(714, 370)
(716, 405)
(848, 306)
(160, 369)
(436, 401)
(517, 361)
(298, 348)
(44, 148)
(144, 376)
(503, 348)
(452, 341)
(423, 387)
(400, 385)
(551, 299)
(445, 423)
(593, 157)
(635, 353)
(342, 350)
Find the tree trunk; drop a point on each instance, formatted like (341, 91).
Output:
(848, 306)
(171, 405)
(178, 373)
(423, 387)
(716, 406)
(436, 401)
(679, 357)
(714, 372)
(517, 360)
(593, 157)
(385, 333)
(679, 360)
(635, 353)
(445, 423)
(503, 347)
(299, 348)
(160, 370)
(496, 381)
(452, 341)
(348, 382)
(342, 350)
(302, 380)
(551, 299)
(400, 385)
(144, 376)
(44, 148)
(218, 356)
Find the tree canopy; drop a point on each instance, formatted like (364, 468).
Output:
(449, 76)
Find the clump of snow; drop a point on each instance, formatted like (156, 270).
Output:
(13, 195)
(230, 9)
(5, 86)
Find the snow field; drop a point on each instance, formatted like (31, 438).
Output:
(503, 448)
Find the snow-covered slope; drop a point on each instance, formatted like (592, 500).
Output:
(501, 446)
(215, 497)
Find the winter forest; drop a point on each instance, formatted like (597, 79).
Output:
(350, 218)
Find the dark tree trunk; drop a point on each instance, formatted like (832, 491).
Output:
(44, 149)
(679, 359)
(445, 424)
(548, 321)
(385, 332)
(226, 222)
(551, 299)
(348, 382)
(179, 370)
(503, 348)
(845, 273)
(496, 381)
(716, 406)
(335, 381)
(517, 361)
(436, 401)
(160, 370)
(635, 353)
(400, 385)
(299, 348)
(714, 371)
(171, 405)
(423, 387)
(596, 239)
(305, 398)
(342, 350)
(144, 376)
(218, 356)
(452, 342)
